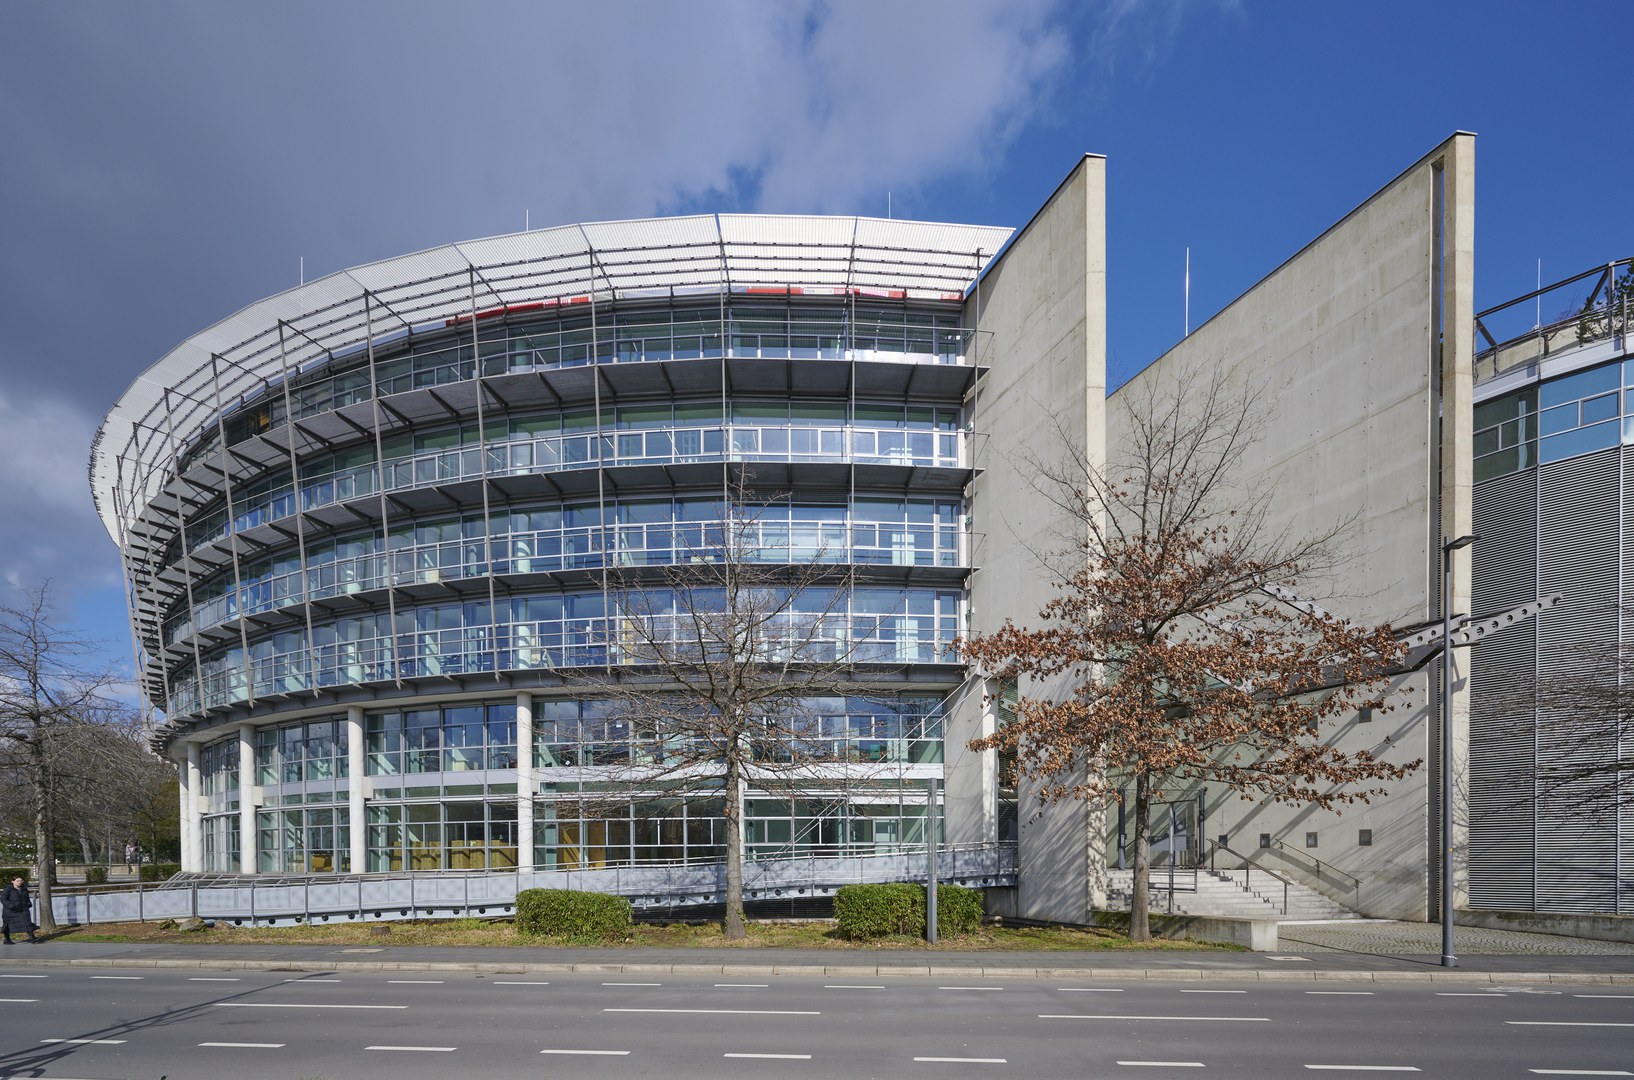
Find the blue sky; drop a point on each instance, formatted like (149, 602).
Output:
(167, 163)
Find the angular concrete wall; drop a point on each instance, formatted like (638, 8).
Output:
(1344, 338)
(1040, 316)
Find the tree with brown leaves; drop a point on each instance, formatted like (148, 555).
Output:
(1168, 655)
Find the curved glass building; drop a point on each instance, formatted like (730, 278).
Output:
(370, 527)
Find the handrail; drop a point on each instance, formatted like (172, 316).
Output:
(1356, 882)
(1248, 870)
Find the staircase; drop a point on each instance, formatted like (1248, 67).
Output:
(1226, 893)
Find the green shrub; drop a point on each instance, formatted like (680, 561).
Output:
(96, 875)
(873, 911)
(958, 909)
(9, 872)
(565, 913)
(159, 871)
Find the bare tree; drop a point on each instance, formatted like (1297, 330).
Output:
(1169, 654)
(47, 688)
(718, 660)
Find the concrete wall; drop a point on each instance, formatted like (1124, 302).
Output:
(1040, 315)
(1343, 337)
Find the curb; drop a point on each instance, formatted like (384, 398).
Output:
(1476, 978)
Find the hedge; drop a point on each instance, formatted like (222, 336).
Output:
(96, 875)
(566, 913)
(159, 871)
(871, 911)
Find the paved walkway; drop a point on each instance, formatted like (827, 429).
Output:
(1381, 938)
(1348, 951)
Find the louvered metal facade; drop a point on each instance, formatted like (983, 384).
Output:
(1551, 828)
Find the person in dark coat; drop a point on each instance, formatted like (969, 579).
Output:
(15, 916)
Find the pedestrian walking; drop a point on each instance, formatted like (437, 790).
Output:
(15, 915)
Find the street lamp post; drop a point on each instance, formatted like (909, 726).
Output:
(1448, 960)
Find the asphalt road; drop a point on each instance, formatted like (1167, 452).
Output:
(92, 1023)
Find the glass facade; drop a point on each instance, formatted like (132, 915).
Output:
(1562, 418)
(422, 527)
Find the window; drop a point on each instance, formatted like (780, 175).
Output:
(1265, 839)
(1364, 837)
(1310, 839)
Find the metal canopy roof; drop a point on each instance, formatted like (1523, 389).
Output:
(171, 402)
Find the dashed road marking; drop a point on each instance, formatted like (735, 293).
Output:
(590, 1053)
(743, 986)
(1097, 1016)
(87, 1042)
(419, 1049)
(726, 1012)
(850, 986)
(245, 1046)
(1366, 1068)
(1562, 1023)
(1166, 1064)
(772, 1057)
(966, 1060)
(1341, 993)
(291, 1005)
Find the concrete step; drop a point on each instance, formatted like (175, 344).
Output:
(1228, 894)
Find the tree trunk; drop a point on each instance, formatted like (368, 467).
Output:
(86, 856)
(1140, 927)
(735, 929)
(44, 859)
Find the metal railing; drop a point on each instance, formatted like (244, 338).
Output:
(445, 894)
(1581, 310)
(1248, 873)
(1321, 867)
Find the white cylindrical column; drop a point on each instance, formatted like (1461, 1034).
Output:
(524, 781)
(181, 813)
(247, 800)
(356, 788)
(192, 825)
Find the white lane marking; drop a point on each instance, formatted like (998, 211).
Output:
(851, 986)
(19, 1001)
(774, 1057)
(245, 1046)
(506, 982)
(1291, 959)
(312, 980)
(1581, 1072)
(970, 988)
(597, 1053)
(1166, 1064)
(24, 976)
(1341, 993)
(1460, 993)
(1366, 1068)
(727, 1012)
(208, 978)
(423, 1049)
(745, 986)
(87, 1042)
(632, 984)
(121, 978)
(1608, 997)
(289, 1005)
(1082, 1016)
(979, 1061)
(1561, 1023)
(1090, 989)
(415, 982)
(1214, 991)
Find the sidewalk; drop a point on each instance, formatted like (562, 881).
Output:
(1351, 952)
